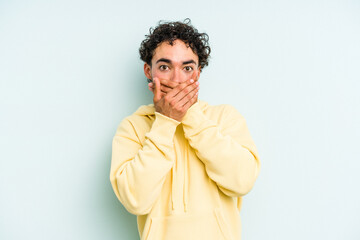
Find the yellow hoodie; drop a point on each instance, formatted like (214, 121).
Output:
(184, 180)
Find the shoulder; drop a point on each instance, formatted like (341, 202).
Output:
(222, 112)
(138, 123)
(143, 113)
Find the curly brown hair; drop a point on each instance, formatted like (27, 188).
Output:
(170, 31)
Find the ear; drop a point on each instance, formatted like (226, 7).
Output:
(147, 71)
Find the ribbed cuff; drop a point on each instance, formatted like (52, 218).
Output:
(163, 129)
(195, 120)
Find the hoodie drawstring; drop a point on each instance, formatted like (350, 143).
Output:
(186, 180)
(173, 181)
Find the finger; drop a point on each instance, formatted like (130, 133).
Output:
(169, 83)
(150, 86)
(165, 88)
(174, 92)
(157, 90)
(152, 90)
(188, 97)
(191, 101)
(186, 90)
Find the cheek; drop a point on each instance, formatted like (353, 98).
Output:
(160, 75)
(195, 75)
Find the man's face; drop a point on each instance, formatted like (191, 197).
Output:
(177, 63)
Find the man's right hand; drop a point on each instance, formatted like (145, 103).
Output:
(174, 99)
(165, 86)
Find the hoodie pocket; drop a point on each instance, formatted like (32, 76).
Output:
(209, 226)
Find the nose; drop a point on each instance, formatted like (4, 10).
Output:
(177, 76)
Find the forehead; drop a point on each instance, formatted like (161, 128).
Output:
(177, 53)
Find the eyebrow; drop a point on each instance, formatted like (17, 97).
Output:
(169, 61)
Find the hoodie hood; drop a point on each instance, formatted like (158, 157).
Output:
(149, 111)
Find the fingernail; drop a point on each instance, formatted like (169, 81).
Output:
(197, 83)
(191, 80)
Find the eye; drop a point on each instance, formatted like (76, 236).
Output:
(163, 67)
(188, 68)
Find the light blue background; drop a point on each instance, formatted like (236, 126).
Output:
(70, 72)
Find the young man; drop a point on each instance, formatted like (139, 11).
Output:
(179, 164)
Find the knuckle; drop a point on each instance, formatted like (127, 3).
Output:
(179, 87)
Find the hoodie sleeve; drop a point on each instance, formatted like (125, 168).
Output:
(228, 152)
(138, 170)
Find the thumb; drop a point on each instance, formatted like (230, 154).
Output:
(157, 90)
